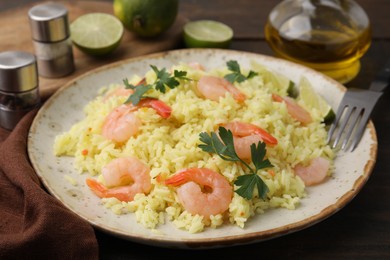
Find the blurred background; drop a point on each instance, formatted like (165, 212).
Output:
(248, 26)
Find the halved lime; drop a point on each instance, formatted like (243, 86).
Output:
(207, 34)
(96, 34)
(313, 100)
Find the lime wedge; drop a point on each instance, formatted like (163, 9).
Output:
(312, 100)
(207, 34)
(280, 83)
(96, 34)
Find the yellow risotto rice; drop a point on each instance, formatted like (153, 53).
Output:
(169, 145)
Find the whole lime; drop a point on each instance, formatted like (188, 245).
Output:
(146, 18)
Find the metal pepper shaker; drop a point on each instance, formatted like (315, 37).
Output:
(19, 92)
(51, 37)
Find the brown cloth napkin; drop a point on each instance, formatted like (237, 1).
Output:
(33, 224)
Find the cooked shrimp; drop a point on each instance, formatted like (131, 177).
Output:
(213, 88)
(122, 91)
(122, 123)
(124, 178)
(295, 110)
(315, 172)
(245, 134)
(161, 108)
(202, 191)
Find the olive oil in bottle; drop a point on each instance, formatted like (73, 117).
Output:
(329, 36)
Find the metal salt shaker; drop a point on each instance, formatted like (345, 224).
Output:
(51, 38)
(19, 92)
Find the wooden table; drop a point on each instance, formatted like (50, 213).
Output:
(361, 230)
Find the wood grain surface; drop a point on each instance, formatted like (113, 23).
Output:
(17, 36)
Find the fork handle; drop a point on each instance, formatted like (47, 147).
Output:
(382, 79)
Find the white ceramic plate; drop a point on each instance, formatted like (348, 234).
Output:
(65, 108)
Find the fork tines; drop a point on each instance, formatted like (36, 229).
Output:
(352, 117)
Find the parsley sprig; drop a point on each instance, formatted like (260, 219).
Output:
(223, 145)
(163, 81)
(236, 74)
(139, 92)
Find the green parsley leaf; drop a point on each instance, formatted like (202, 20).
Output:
(252, 74)
(236, 75)
(233, 66)
(162, 77)
(128, 85)
(224, 148)
(208, 145)
(223, 145)
(233, 77)
(247, 185)
(138, 94)
(292, 90)
(258, 154)
(180, 74)
(163, 80)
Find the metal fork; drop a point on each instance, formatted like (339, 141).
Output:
(354, 111)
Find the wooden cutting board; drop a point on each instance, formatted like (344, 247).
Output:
(15, 35)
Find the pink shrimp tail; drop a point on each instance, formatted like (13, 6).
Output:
(243, 129)
(237, 95)
(277, 98)
(102, 192)
(178, 179)
(97, 187)
(267, 138)
(161, 108)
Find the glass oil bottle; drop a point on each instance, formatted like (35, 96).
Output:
(329, 36)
